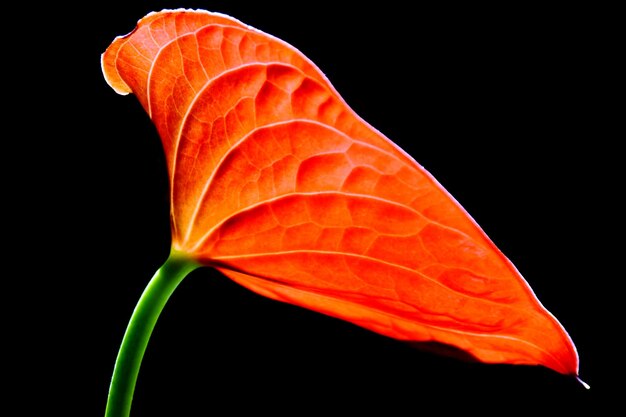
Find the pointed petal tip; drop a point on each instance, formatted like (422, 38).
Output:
(583, 383)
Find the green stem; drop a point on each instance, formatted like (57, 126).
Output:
(140, 327)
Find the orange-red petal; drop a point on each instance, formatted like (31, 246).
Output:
(281, 186)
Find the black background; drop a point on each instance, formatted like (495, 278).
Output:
(504, 106)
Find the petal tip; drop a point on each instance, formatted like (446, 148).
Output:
(583, 383)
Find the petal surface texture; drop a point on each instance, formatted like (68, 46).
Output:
(277, 183)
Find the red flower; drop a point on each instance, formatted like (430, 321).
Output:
(277, 183)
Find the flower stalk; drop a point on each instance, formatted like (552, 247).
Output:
(142, 322)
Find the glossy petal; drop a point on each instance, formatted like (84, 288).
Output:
(276, 182)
